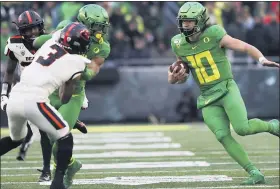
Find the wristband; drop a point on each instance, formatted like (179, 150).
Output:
(261, 59)
(6, 89)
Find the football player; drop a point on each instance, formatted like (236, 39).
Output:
(21, 52)
(96, 19)
(29, 98)
(202, 48)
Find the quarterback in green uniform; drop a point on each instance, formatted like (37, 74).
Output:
(202, 48)
(96, 19)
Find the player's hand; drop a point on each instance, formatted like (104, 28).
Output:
(270, 64)
(4, 101)
(85, 103)
(178, 76)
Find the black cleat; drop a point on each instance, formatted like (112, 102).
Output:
(21, 156)
(45, 176)
(81, 127)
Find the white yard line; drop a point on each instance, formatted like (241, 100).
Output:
(127, 146)
(122, 140)
(148, 172)
(98, 156)
(137, 165)
(120, 135)
(219, 187)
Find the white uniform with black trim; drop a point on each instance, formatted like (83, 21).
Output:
(29, 98)
(23, 55)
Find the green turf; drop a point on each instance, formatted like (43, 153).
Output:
(263, 150)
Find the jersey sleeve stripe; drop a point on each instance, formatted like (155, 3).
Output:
(16, 37)
(51, 116)
(28, 17)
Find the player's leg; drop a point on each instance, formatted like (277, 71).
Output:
(216, 119)
(70, 113)
(56, 102)
(49, 120)
(26, 144)
(237, 113)
(46, 147)
(17, 128)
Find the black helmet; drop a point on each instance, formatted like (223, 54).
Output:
(75, 38)
(28, 20)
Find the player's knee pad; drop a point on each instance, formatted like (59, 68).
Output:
(221, 134)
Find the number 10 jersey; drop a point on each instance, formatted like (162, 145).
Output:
(207, 61)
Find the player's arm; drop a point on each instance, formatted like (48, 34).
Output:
(7, 82)
(39, 41)
(179, 77)
(66, 90)
(241, 46)
(93, 68)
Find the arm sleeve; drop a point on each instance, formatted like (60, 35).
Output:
(39, 41)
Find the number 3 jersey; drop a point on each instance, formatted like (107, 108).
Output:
(207, 61)
(20, 50)
(51, 68)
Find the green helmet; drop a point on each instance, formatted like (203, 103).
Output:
(192, 11)
(95, 18)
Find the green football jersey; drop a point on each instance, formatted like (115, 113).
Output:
(98, 48)
(207, 61)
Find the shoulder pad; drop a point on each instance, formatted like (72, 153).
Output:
(15, 39)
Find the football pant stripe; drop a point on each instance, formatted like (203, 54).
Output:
(51, 116)
(28, 17)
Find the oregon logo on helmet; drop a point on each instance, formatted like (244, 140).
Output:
(95, 18)
(192, 11)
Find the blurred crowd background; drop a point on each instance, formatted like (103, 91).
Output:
(140, 35)
(144, 29)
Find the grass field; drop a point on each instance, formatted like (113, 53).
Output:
(170, 156)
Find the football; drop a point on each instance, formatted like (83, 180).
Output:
(179, 65)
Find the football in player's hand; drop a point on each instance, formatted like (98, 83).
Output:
(179, 64)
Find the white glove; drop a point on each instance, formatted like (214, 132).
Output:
(4, 101)
(85, 103)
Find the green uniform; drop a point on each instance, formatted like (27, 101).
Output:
(220, 98)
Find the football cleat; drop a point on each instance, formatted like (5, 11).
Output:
(45, 176)
(80, 126)
(275, 127)
(21, 155)
(70, 173)
(256, 177)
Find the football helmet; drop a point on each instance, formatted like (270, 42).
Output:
(75, 38)
(95, 18)
(192, 11)
(27, 21)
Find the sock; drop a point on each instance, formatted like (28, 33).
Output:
(54, 152)
(7, 144)
(46, 150)
(258, 126)
(27, 139)
(235, 150)
(64, 153)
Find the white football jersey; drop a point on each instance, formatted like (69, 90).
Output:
(22, 53)
(51, 68)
